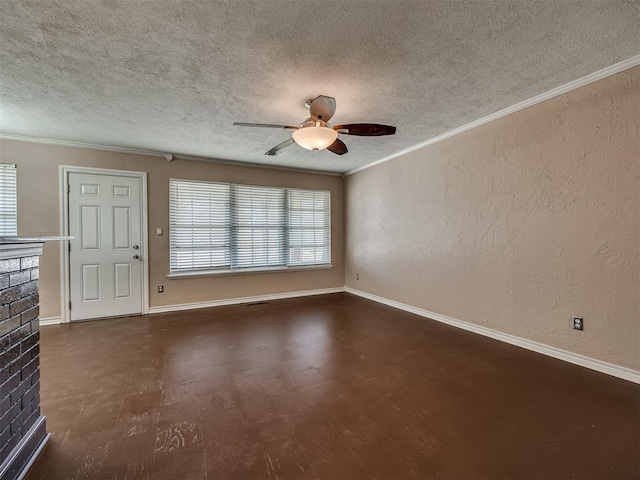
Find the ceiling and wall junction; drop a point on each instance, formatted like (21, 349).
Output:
(173, 76)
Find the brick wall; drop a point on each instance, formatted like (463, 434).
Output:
(19, 350)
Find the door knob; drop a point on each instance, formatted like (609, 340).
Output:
(136, 256)
(136, 247)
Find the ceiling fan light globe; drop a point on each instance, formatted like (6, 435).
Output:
(315, 137)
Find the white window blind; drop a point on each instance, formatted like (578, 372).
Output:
(199, 224)
(221, 226)
(309, 232)
(258, 226)
(8, 201)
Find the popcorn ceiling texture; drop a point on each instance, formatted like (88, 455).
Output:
(516, 225)
(174, 75)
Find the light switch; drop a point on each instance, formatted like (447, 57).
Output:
(159, 231)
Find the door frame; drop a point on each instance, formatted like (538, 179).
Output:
(65, 272)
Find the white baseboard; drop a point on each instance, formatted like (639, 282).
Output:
(236, 301)
(577, 359)
(49, 321)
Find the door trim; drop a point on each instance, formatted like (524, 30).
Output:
(65, 274)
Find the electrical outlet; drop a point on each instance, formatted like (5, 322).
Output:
(160, 288)
(578, 323)
(357, 276)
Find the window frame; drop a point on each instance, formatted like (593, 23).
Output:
(233, 227)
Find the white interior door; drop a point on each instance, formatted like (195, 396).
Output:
(105, 261)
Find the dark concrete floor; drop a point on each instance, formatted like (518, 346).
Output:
(329, 387)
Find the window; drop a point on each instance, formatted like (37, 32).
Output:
(309, 220)
(218, 227)
(8, 201)
(199, 217)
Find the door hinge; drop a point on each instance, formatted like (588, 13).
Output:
(68, 188)
(69, 246)
(69, 304)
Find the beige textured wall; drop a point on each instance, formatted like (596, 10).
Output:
(516, 225)
(38, 212)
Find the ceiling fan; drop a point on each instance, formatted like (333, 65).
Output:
(315, 133)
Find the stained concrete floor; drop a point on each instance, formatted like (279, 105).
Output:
(327, 387)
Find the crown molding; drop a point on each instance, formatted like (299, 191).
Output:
(89, 146)
(567, 87)
(587, 79)
(154, 153)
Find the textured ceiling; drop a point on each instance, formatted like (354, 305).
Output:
(174, 75)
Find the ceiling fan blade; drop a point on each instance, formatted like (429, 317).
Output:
(266, 125)
(323, 108)
(365, 129)
(276, 150)
(338, 147)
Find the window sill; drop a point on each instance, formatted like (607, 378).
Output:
(215, 273)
